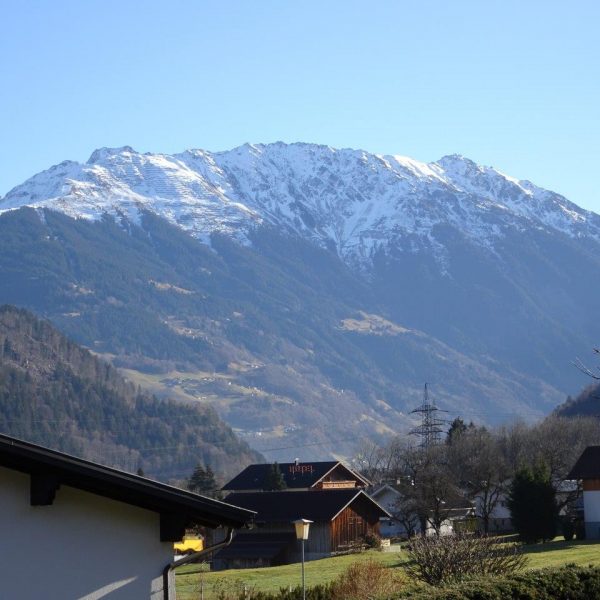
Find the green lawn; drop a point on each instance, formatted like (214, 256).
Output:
(560, 552)
(551, 554)
(271, 578)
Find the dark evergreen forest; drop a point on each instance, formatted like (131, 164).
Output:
(57, 394)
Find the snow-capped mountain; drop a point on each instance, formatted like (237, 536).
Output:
(350, 200)
(337, 284)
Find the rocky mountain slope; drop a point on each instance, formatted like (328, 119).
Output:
(308, 292)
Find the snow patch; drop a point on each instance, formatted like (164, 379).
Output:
(357, 202)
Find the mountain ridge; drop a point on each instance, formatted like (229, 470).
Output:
(307, 293)
(355, 202)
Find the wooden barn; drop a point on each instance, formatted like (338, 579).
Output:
(341, 518)
(298, 476)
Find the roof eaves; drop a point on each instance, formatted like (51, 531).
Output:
(79, 473)
(326, 473)
(358, 493)
(338, 464)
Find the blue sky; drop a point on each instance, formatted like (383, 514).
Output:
(514, 85)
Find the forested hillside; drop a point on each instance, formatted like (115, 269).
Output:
(585, 404)
(55, 393)
(292, 348)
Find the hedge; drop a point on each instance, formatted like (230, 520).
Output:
(566, 583)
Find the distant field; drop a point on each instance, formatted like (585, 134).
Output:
(552, 554)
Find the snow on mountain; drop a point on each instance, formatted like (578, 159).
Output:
(356, 201)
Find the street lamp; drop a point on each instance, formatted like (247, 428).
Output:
(302, 526)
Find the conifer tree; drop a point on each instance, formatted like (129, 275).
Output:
(202, 481)
(274, 479)
(532, 505)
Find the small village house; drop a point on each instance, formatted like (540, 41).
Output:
(341, 518)
(460, 515)
(587, 470)
(73, 529)
(500, 519)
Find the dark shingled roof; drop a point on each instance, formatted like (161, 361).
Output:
(62, 469)
(255, 545)
(301, 475)
(316, 505)
(588, 465)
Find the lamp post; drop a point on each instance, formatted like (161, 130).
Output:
(302, 526)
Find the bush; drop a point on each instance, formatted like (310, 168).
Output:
(372, 540)
(567, 583)
(237, 591)
(366, 579)
(438, 560)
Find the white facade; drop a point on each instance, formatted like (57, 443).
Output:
(500, 518)
(82, 547)
(387, 497)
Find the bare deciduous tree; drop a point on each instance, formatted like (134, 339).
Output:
(481, 470)
(452, 558)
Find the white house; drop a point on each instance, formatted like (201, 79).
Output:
(76, 530)
(458, 511)
(388, 497)
(500, 520)
(587, 470)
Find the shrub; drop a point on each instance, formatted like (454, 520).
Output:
(366, 579)
(372, 540)
(566, 583)
(438, 560)
(238, 591)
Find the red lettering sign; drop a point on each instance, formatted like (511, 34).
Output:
(301, 469)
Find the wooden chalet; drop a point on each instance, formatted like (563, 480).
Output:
(341, 518)
(321, 475)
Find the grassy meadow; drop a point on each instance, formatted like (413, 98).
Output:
(551, 554)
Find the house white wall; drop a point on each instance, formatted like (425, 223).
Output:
(500, 518)
(82, 547)
(387, 497)
(591, 511)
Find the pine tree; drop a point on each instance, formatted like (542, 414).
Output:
(532, 504)
(457, 428)
(203, 481)
(274, 479)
